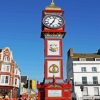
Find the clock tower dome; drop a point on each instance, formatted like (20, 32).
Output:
(53, 25)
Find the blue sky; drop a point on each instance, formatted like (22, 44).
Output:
(20, 29)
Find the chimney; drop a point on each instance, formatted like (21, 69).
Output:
(70, 52)
(98, 51)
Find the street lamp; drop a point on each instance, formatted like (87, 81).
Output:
(82, 88)
(73, 92)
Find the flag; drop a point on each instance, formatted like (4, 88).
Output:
(33, 84)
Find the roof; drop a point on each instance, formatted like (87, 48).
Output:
(86, 55)
(83, 55)
(4, 48)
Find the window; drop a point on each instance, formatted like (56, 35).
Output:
(85, 91)
(5, 68)
(96, 90)
(84, 80)
(11, 81)
(97, 59)
(6, 59)
(83, 69)
(15, 81)
(16, 71)
(94, 69)
(95, 80)
(82, 59)
(4, 79)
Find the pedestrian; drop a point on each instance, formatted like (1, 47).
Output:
(25, 99)
(20, 98)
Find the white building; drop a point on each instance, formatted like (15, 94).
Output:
(84, 69)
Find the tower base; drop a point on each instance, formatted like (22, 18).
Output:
(54, 91)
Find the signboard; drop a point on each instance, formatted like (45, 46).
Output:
(54, 93)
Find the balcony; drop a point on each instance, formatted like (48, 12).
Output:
(87, 83)
(91, 97)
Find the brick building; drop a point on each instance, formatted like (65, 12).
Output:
(9, 74)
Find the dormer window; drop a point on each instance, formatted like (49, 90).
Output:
(97, 59)
(6, 59)
(82, 59)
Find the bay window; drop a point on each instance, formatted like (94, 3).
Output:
(5, 68)
(4, 79)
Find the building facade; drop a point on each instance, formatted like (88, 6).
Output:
(28, 88)
(9, 74)
(24, 90)
(84, 70)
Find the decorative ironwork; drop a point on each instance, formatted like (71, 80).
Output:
(88, 83)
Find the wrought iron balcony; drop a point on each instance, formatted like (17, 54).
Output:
(91, 97)
(87, 83)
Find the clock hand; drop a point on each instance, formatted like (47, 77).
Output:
(53, 21)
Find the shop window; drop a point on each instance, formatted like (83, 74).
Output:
(96, 90)
(85, 91)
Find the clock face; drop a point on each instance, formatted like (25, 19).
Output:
(53, 21)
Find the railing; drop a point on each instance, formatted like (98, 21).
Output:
(87, 83)
(89, 97)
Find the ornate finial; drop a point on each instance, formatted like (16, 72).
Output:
(52, 2)
(52, 6)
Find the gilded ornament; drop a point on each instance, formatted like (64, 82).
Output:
(53, 68)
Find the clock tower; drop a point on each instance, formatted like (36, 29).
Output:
(53, 25)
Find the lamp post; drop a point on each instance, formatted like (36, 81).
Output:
(82, 88)
(73, 92)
